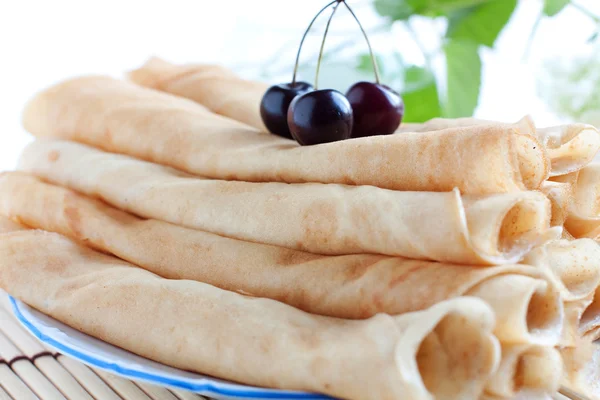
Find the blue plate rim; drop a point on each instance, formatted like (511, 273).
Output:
(205, 388)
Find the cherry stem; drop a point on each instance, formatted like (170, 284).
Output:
(304, 37)
(373, 59)
(323, 42)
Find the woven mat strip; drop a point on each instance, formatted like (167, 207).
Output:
(62, 379)
(41, 358)
(37, 381)
(155, 392)
(9, 353)
(4, 395)
(13, 385)
(184, 395)
(88, 379)
(19, 336)
(128, 390)
(44, 345)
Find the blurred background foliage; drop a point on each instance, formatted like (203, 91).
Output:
(448, 82)
(472, 24)
(572, 88)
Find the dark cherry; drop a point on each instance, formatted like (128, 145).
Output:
(320, 116)
(378, 110)
(277, 99)
(275, 103)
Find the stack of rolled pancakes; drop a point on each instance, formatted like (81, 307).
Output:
(456, 259)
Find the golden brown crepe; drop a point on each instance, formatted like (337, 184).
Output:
(323, 219)
(352, 286)
(570, 147)
(526, 368)
(436, 124)
(447, 351)
(573, 266)
(215, 87)
(125, 118)
(584, 211)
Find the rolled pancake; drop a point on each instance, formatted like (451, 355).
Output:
(446, 352)
(352, 286)
(213, 86)
(126, 118)
(525, 124)
(570, 147)
(584, 212)
(526, 368)
(560, 195)
(582, 368)
(324, 219)
(573, 266)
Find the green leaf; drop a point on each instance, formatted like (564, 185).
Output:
(397, 10)
(420, 95)
(553, 7)
(404, 9)
(481, 24)
(456, 17)
(463, 66)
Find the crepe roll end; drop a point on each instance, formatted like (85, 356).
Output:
(528, 310)
(574, 147)
(526, 368)
(575, 262)
(504, 227)
(539, 368)
(571, 265)
(524, 224)
(534, 164)
(583, 227)
(34, 114)
(456, 351)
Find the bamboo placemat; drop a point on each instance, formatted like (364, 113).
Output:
(29, 371)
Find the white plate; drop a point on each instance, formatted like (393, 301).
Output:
(101, 355)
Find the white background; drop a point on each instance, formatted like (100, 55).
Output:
(44, 41)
